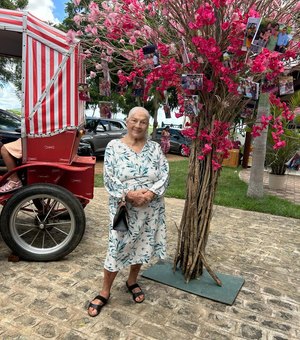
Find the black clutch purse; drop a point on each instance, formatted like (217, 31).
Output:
(120, 222)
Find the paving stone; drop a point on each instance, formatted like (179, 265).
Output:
(48, 300)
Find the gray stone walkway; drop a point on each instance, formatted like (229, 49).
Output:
(47, 300)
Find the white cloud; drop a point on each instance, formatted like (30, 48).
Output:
(43, 9)
(8, 98)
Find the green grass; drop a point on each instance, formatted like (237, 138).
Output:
(231, 192)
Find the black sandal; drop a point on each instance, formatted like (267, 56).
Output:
(97, 307)
(137, 294)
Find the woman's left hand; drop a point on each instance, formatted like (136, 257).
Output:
(139, 198)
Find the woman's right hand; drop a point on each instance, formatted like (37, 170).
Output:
(137, 197)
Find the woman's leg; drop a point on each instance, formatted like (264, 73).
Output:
(132, 279)
(10, 163)
(108, 280)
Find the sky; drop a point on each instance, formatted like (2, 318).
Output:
(47, 10)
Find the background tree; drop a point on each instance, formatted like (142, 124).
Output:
(190, 37)
(7, 69)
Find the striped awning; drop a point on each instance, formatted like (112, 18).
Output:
(52, 70)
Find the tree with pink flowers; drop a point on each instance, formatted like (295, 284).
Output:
(197, 49)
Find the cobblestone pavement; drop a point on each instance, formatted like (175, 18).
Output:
(291, 191)
(48, 300)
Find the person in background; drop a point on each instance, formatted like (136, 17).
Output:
(282, 41)
(10, 152)
(136, 168)
(165, 140)
(271, 44)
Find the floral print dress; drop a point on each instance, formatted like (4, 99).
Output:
(125, 170)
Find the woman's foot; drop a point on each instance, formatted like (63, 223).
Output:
(136, 292)
(96, 305)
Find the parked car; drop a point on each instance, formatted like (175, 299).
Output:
(100, 131)
(176, 141)
(10, 130)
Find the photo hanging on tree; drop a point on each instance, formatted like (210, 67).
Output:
(250, 33)
(270, 86)
(286, 85)
(138, 87)
(247, 112)
(191, 105)
(84, 94)
(105, 109)
(192, 81)
(151, 56)
(249, 89)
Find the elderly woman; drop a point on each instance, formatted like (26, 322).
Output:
(135, 167)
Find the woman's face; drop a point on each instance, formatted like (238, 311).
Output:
(137, 125)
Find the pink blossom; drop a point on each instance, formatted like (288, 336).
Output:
(216, 166)
(186, 150)
(132, 40)
(71, 37)
(105, 5)
(204, 16)
(225, 25)
(279, 145)
(93, 74)
(206, 149)
(76, 2)
(77, 19)
(189, 132)
(178, 115)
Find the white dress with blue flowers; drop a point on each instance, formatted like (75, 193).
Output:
(125, 170)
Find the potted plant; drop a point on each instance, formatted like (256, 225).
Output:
(276, 159)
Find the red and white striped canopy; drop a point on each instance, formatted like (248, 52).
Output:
(52, 70)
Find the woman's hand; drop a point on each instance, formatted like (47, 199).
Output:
(139, 197)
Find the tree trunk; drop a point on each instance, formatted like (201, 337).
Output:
(256, 185)
(195, 222)
(246, 153)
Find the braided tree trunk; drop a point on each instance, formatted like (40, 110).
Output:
(195, 222)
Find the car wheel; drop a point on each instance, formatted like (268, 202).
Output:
(42, 222)
(182, 153)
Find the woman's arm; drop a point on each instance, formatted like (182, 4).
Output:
(112, 184)
(160, 186)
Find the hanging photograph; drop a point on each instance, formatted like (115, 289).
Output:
(249, 89)
(83, 89)
(270, 86)
(250, 33)
(192, 81)
(283, 39)
(104, 87)
(273, 36)
(227, 59)
(286, 85)
(105, 109)
(151, 56)
(138, 87)
(247, 113)
(191, 105)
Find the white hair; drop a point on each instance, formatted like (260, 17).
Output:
(140, 109)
